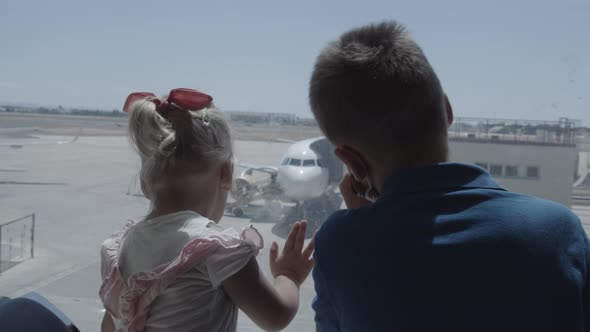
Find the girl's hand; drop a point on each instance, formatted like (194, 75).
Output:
(272, 307)
(294, 262)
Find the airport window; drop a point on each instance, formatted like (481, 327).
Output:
(482, 165)
(532, 172)
(496, 170)
(308, 163)
(511, 170)
(285, 168)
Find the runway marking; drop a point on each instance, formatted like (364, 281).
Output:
(65, 273)
(70, 299)
(35, 183)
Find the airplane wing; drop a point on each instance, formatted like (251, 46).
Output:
(21, 144)
(284, 140)
(248, 166)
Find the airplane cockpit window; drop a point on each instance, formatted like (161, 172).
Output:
(295, 162)
(308, 163)
(285, 161)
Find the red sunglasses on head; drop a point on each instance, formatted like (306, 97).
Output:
(186, 99)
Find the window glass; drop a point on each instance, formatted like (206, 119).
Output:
(65, 155)
(496, 170)
(532, 172)
(511, 170)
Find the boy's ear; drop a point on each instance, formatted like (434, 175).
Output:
(226, 176)
(449, 111)
(353, 160)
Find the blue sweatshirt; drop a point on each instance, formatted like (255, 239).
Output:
(445, 248)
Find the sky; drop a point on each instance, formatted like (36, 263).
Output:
(526, 59)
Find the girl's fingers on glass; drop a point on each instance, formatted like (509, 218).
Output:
(274, 252)
(309, 249)
(290, 243)
(300, 237)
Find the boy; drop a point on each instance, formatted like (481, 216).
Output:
(432, 245)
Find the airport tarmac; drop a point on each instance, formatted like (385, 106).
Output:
(82, 202)
(78, 193)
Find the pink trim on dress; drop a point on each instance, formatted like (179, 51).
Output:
(129, 302)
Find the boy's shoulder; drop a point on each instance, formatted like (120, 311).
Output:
(340, 226)
(536, 207)
(344, 225)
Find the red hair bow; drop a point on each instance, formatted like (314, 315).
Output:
(186, 99)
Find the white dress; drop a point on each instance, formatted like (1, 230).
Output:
(165, 273)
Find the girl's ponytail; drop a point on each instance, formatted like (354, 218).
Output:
(147, 129)
(201, 136)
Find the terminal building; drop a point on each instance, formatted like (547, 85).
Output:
(532, 157)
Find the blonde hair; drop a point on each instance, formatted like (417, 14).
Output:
(179, 135)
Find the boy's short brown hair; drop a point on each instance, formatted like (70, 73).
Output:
(375, 89)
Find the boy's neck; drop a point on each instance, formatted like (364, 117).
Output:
(382, 174)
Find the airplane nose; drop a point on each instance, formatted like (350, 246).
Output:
(300, 184)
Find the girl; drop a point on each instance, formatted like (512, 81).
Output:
(177, 270)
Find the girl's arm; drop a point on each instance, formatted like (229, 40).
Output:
(107, 324)
(273, 306)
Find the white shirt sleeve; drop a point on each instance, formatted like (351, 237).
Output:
(225, 262)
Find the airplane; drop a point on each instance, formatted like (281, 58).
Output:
(308, 175)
